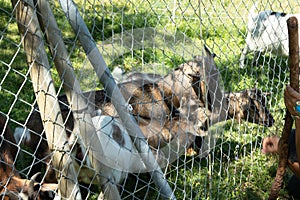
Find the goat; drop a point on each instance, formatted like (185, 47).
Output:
(151, 109)
(267, 32)
(117, 143)
(249, 105)
(161, 106)
(201, 74)
(175, 137)
(120, 155)
(11, 184)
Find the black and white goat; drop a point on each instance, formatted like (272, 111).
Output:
(267, 32)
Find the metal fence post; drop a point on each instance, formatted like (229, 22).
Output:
(46, 96)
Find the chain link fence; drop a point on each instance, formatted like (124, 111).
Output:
(201, 104)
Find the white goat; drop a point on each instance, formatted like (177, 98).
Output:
(267, 32)
(119, 152)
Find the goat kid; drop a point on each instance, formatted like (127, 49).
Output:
(267, 32)
(12, 186)
(120, 156)
(116, 143)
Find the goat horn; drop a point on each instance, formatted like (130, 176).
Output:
(208, 52)
(32, 179)
(31, 184)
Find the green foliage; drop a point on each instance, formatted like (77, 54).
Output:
(135, 60)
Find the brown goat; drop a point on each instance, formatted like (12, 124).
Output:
(12, 186)
(8, 153)
(249, 105)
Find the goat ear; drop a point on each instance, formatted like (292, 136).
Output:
(208, 52)
(49, 186)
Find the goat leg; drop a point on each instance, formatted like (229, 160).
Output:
(243, 56)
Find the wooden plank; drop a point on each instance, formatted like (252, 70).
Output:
(82, 110)
(294, 81)
(44, 89)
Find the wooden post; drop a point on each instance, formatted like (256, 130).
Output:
(294, 82)
(44, 89)
(114, 93)
(81, 109)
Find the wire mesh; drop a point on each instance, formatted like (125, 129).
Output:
(219, 120)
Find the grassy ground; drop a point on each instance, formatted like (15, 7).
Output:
(165, 36)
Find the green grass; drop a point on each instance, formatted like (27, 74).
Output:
(236, 169)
